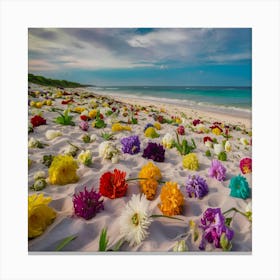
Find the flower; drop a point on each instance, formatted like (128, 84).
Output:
(34, 143)
(244, 141)
(147, 126)
(40, 215)
(39, 184)
(157, 126)
(200, 128)
(63, 170)
(168, 141)
(85, 157)
(152, 173)
(87, 203)
(216, 129)
(151, 133)
(246, 165)
(190, 161)
(180, 246)
(181, 130)
(84, 125)
(118, 127)
(213, 226)
(239, 187)
(217, 170)
(196, 122)
(92, 114)
(39, 175)
(135, 220)
(108, 150)
(37, 120)
(248, 211)
(208, 142)
(172, 199)
(218, 148)
(227, 146)
(51, 134)
(71, 150)
(154, 151)
(113, 185)
(196, 186)
(131, 145)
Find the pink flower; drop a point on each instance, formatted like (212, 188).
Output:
(246, 165)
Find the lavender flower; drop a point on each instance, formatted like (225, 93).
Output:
(217, 170)
(154, 151)
(196, 186)
(87, 204)
(213, 226)
(148, 125)
(131, 145)
(84, 125)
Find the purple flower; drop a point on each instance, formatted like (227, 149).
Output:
(84, 125)
(154, 151)
(131, 145)
(87, 204)
(213, 226)
(196, 186)
(217, 170)
(148, 125)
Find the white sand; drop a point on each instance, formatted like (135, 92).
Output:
(163, 232)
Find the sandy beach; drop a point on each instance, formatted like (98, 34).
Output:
(163, 233)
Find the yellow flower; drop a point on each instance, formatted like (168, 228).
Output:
(79, 109)
(216, 131)
(32, 103)
(119, 127)
(190, 161)
(157, 126)
(49, 102)
(38, 104)
(92, 114)
(105, 104)
(172, 200)
(63, 170)
(151, 133)
(152, 173)
(40, 215)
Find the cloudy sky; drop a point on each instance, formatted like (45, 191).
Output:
(142, 56)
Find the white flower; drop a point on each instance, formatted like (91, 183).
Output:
(227, 146)
(180, 246)
(85, 157)
(115, 159)
(108, 150)
(135, 220)
(84, 113)
(51, 134)
(244, 141)
(167, 140)
(200, 127)
(71, 150)
(218, 148)
(39, 175)
(32, 143)
(93, 137)
(208, 144)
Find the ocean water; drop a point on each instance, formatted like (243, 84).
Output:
(222, 98)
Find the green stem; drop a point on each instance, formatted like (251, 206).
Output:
(74, 145)
(136, 179)
(164, 216)
(236, 210)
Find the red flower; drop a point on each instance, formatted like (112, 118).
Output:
(207, 138)
(113, 185)
(246, 165)
(181, 130)
(84, 117)
(37, 120)
(101, 116)
(160, 119)
(196, 122)
(65, 102)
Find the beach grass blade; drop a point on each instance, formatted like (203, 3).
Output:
(103, 241)
(64, 242)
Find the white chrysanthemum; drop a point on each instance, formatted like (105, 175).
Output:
(39, 175)
(135, 220)
(244, 141)
(51, 134)
(218, 148)
(85, 157)
(227, 146)
(108, 150)
(32, 143)
(167, 140)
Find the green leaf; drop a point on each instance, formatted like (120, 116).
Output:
(118, 245)
(100, 124)
(103, 241)
(65, 241)
(164, 216)
(225, 243)
(228, 221)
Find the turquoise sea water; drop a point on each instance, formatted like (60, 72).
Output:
(232, 98)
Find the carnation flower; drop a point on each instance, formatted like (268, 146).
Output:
(172, 200)
(181, 130)
(154, 151)
(151, 133)
(168, 141)
(152, 173)
(217, 170)
(37, 121)
(131, 145)
(84, 125)
(51, 134)
(239, 187)
(214, 228)
(85, 157)
(218, 148)
(63, 170)
(118, 127)
(227, 146)
(135, 220)
(40, 215)
(196, 186)
(108, 150)
(113, 185)
(87, 203)
(246, 165)
(190, 161)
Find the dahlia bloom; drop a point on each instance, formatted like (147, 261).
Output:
(154, 151)
(190, 161)
(84, 125)
(214, 228)
(152, 173)
(37, 121)
(151, 133)
(63, 170)
(40, 215)
(246, 165)
(85, 157)
(181, 130)
(168, 140)
(196, 186)
(172, 200)
(87, 203)
(51, 134)
(131, 145)
(135, 220)
(217, 170)
(118, 127)
(107, 150)
(239, 187)
(113, 185)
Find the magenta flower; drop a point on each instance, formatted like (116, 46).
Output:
(84, 125)
(87, 203)
(217, 170)
(154, 151)
(181, 130)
